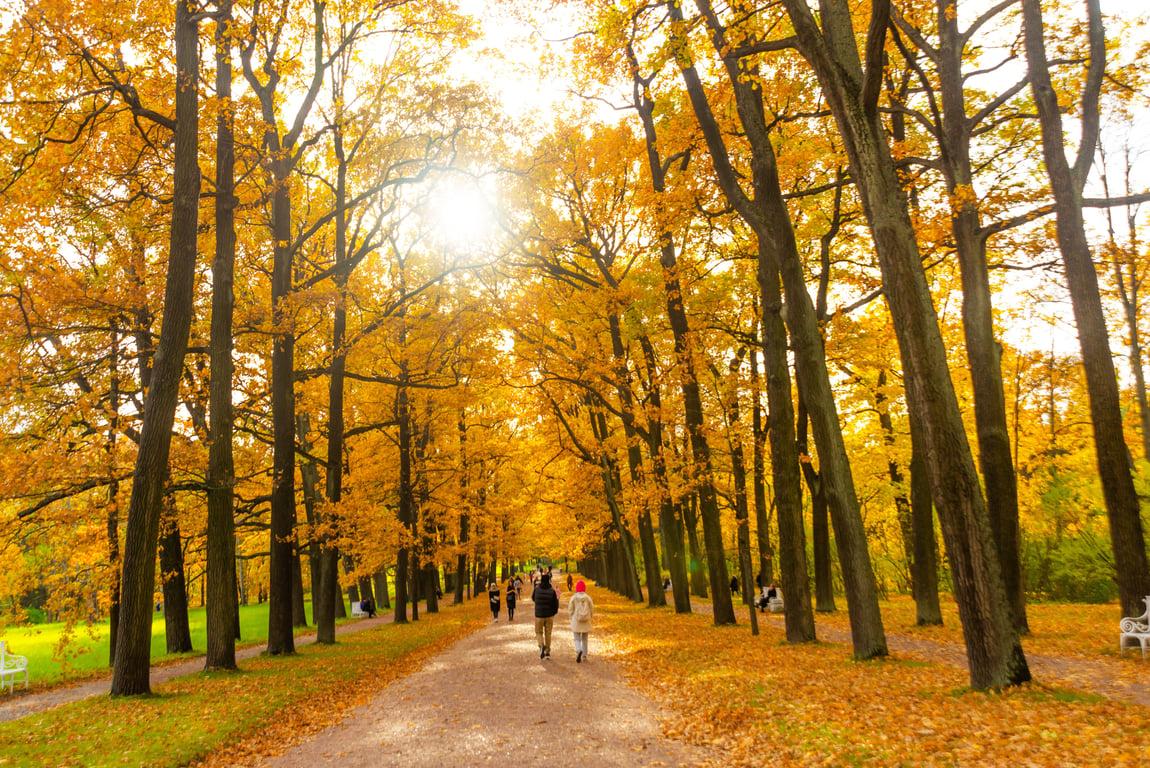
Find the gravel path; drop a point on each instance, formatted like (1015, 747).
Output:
(1095, 677)
(490, 699)
(20, 705)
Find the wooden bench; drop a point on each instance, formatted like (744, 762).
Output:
(12, 667)
(1136, 628)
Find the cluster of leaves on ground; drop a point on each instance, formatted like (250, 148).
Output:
(231, 719)
(760, 701)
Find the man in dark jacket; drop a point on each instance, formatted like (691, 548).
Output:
(546, 606)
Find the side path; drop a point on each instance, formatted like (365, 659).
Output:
(490, 699)
(1095, 677)
(14, 707)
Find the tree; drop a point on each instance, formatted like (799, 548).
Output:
(1066, 184)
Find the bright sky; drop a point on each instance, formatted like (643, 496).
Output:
(507, 60)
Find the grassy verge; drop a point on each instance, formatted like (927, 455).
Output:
(234, 718)
(58, 653)
(764, 702)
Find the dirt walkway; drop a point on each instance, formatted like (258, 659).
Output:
(20, 705)
(490, 699)
(1094, 677)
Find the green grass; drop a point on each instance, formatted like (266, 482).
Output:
(198, 714)
(54, 655)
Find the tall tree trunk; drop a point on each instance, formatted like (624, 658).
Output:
(994, 651)
(739, 473)
(924, 577)
(461, 558)
(758, 480)
(177, 631)
(779, 258)
(982, 349)
(222, 621)
(724, 610)
(134, 638)
(674, 558)
(298, 609)
(820, 524)
(282, 534)
(402, 578)
(627, 582)
(623, 384)
(325, 613)
(1126, 535)
(687, 507)
(112, 521)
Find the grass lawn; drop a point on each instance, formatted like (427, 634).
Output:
(56, 654)
(763, 701)
(234, 718)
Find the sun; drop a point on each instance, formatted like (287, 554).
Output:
(463, 213)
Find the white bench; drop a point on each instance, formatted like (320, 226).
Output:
(357, 611)
(1136, 628)
(12, 667)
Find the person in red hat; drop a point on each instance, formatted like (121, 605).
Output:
(580, 608)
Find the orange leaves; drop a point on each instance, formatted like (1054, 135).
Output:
(763, 702)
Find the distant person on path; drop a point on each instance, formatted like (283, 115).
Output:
(368, 607)
(518, 585)
(734, 586)
(546, 606)
(580, 608)
(493, 598)
(570, 583)
(511, 600)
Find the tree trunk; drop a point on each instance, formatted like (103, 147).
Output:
(762, 512)
(282, 536)
(724, 611)
(674, 558)
(691, 519)
(112, 521)
(177, 631)
(623, 384)
(739, 472)
(779, 258)
(464, 479)
(221, 532)
(1126, 535)
(134, 638)
(993, 648)
(402, 577)
(924, 577)
(982, 349)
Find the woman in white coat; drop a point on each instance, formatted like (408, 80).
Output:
(580, 609)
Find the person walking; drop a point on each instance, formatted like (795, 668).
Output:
(580, 608)
(493, 599)
(511, 599)
(546, 606)
(569, 583)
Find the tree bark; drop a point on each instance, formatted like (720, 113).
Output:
(177, 632)
(1126, 534)
(133, 640)
(758, 472)
(623, 388)
(982, 348)
(769, 218)
(993, 648)
(820, 523)
(924, 578)
(221, 532)
(724, 611)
